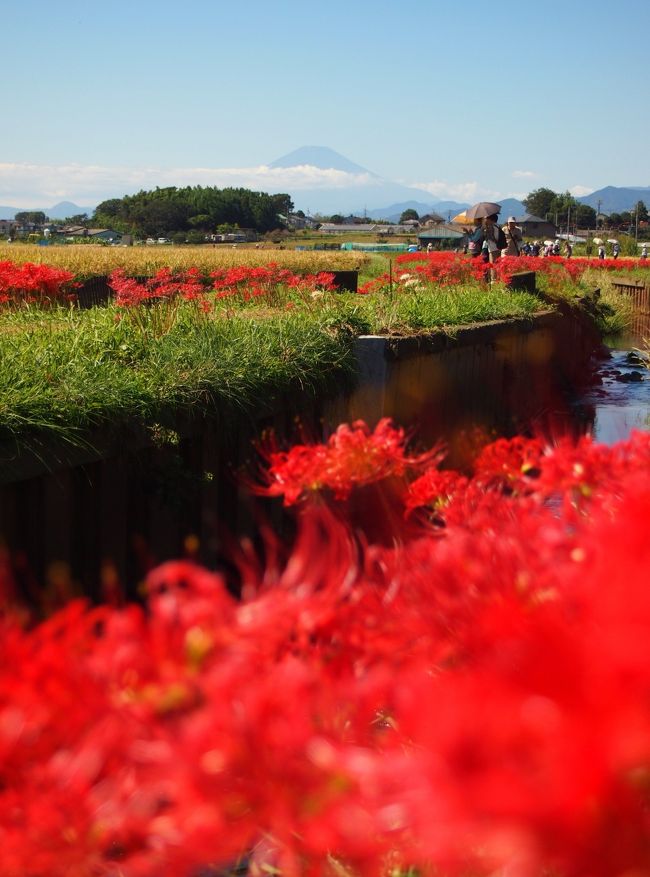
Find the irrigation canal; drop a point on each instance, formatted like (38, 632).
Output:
(620, 396)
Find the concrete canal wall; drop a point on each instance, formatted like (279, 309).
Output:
(500, 376)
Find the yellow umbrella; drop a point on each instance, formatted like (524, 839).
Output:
(461, 219)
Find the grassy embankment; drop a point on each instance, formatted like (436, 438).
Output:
(65, 370)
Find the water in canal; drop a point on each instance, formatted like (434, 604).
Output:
(618, 400)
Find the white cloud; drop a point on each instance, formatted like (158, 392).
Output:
(523, 174)
(577, 191)
(38, 185)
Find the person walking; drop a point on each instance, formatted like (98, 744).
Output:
(644, 251)
(601, 251)
(616, 249)
(514, 238)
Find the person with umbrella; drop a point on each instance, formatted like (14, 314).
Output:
(488, 239)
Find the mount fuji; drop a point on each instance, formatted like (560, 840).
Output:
(341, 186)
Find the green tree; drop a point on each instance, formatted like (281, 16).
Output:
(169, 210)
(640, 211)
(77, 219)
(200, 221)
(562, 207)
(34, 217)
(408, 214)
(539, 202)
(282, 203)
(195, 237)
(585, 216)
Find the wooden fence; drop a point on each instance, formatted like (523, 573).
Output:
(639, 295)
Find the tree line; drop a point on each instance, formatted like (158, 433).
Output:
(195, 211)
(202, 209)
(563, 208)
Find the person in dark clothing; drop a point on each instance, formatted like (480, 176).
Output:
(488, 239)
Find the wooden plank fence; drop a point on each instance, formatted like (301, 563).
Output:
(639, 295)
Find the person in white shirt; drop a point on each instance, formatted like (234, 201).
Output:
(514, 238)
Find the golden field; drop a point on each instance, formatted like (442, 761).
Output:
(86, 259)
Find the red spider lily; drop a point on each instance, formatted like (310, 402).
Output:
(30, 283)
(264, 280)
(474, 699)
(352, 456)
(509, 462)
(444, 269)
(165, 285)
(447, 268)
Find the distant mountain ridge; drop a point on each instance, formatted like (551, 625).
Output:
(377, 198)
(366, 193)
(62, 210)
(362, 196)
(365, 200)
(446, 209)
(616, 199)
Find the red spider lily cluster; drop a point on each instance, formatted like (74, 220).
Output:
(449, 269)
(353, 456)
(30, 283)
(471, 698)
(254, 282)
(244, 283)
(164, 285)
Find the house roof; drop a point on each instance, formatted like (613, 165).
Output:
(530, 217)
(347, 228)
(440, 232)
(365, 228)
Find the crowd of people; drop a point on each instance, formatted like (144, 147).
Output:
(491, 241)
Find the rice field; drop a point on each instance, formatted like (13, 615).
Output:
(86, 260)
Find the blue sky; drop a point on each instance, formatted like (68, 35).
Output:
(465, 100)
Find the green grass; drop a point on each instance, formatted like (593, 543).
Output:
(67, 371)
(447, 307)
